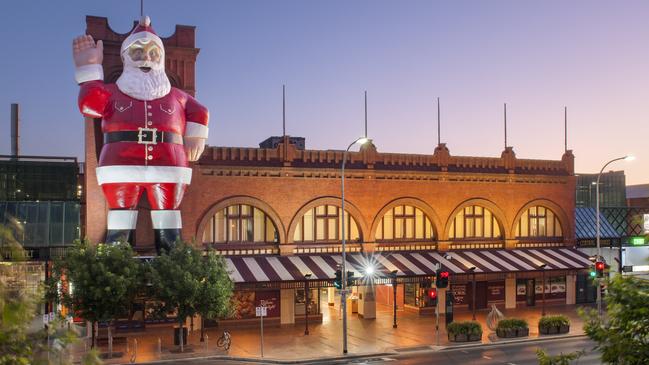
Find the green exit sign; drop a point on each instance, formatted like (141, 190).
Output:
(637, 241)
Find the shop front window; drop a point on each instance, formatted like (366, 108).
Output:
(240, 223)
(475, 222)
(301, 305)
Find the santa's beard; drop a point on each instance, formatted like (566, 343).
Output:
(144, 85)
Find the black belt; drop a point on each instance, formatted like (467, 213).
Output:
(143, 136)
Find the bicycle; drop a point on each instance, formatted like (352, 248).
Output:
(224, 341)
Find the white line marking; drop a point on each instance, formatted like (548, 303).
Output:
(486, 357)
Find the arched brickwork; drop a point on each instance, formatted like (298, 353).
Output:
(555, 208)
(353, 211)
(248, 200)
(495, 210)
(417, 203)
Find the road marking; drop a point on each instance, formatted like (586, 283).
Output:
(486, 357)
(510, 363)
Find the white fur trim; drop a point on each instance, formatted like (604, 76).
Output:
(122, 219)
(194, 129)
(166, 219)
(143, 174)
(144, 37)
(88, 73)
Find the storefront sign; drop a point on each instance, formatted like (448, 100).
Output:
(459, 293)
(638, 241)
(495, 291)
(270, 300)
(261, 311)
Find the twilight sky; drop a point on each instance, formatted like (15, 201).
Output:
(592, 56)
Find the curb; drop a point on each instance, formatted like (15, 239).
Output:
(268, 360)
(509, 342)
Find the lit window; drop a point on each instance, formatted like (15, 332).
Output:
(404, 223)
(474, 222)
(240, 224)
(324, 224)
(538, 221)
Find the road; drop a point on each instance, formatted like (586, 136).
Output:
(523, 353)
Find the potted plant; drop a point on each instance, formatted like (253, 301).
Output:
(508, 328)
(551, 325)
(464, 331)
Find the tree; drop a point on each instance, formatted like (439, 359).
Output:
(176, 277)
(561, 359)
(215, 289)
(105, 279)
(623, 335)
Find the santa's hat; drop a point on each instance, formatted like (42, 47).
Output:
(143, 32)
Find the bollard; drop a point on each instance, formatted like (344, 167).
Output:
(134, 356)
(207, 341)
(159, 348)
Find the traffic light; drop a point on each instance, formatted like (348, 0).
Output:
(599, 267)
(350, 278)
(592, 273)
(432, 296)
(338, 281)
(442, 279)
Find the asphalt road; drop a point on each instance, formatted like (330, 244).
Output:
(523, 353)
(511, 354)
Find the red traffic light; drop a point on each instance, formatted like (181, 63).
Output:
(432, 293)
(599, 265)
(443, 274)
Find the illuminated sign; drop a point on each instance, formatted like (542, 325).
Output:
(637, 241)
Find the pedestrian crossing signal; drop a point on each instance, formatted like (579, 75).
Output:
(338, 281)
(442, 279)
(350, 278)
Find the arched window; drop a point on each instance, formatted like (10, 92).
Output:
(324, 224)
(539, 221)
(474, 222)
(404, 223)
(240, 223)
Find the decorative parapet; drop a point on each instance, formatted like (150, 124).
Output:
(369, 158)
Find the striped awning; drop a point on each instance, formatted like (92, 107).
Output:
(407, 264)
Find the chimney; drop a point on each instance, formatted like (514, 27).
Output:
(15, 131)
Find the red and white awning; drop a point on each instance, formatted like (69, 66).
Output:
(407, 264)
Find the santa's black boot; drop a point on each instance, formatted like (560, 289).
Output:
(121, 226)
(166, 227)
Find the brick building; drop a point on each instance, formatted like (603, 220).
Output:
(275, 214)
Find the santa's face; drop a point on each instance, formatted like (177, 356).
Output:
(144, 77)
(145, 55)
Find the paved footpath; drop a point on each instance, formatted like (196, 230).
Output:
(289, 343)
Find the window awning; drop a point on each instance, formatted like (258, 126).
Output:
(407, 264)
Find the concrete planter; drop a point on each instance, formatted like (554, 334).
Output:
(463, 338)
(512, 332)
(553, 330)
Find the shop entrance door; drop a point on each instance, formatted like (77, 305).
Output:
(586, 291)
(480, 295)
(530, 292)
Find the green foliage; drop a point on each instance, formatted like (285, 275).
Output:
(561, 359)
(105, 279)
(623, 336)
(464, 328)
(512, 323)
(215, 288)
(554, 321)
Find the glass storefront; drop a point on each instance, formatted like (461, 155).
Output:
(313, 305)
(42, 224)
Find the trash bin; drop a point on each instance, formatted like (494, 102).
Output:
(177, 336)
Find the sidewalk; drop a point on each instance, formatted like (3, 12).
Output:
(365, 336)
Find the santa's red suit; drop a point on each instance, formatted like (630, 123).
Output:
(144, 134)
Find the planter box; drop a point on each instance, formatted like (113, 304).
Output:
(463, 338)
(512, 332)
(553, 330)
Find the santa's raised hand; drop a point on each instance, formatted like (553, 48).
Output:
(86, 52)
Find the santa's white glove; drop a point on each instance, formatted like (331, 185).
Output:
(194, 147)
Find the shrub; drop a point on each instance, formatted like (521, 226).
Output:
(554, 321)
(464, 328)
(513, 323)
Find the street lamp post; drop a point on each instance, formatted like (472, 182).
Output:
(597, 219)
(394, 298)
(306, 303)
(542, 267)
(343, 292)
(472, 270)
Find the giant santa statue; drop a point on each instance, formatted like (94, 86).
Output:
(151, 131)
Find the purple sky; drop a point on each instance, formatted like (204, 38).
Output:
(537, 56)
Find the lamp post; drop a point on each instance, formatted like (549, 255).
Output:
(306, 303)
(393, 274)
(472, 270)
(542, 267)
(343, 292)
(597, 219)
